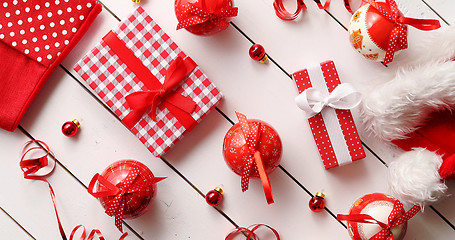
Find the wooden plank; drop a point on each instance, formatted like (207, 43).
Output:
(444, 8)
(10, 229)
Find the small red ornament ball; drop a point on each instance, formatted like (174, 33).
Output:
(208, 27)
(257, 53)
(137, 203)
(317, 203)
(214, 197)
(70, 128)
(235, 148)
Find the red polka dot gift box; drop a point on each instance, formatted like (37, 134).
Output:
(157, 91)
(35, 36)
(327, 103)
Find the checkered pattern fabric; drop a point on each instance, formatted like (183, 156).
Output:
(112, 80)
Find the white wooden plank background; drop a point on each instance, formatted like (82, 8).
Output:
(195, 165)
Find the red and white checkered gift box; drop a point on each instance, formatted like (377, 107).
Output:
(113, 80)
(333, 127)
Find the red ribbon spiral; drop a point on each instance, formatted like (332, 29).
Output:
(282, 13)
(250, 231)
(395, 219)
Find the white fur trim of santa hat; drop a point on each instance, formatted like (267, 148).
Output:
(403, 101)
(414, 177)
(401, 105)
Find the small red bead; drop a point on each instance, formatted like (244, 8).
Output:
(70, 128)
(213, 197)
(257, 53)
(317, 203)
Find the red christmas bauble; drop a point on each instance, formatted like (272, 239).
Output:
(214, 197)
(235, 148)
(208, 27)
(137, 203)
(370, 32)
(379, 206)
(317, 203)
(70, 128)
(257, 53)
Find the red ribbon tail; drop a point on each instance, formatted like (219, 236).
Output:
(421, 24)
(112, 189)
(264, 178)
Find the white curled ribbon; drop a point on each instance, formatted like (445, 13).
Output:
(313, 101)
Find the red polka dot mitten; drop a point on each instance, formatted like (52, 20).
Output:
(35, 36)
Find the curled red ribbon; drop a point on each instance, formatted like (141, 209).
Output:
(253, 161)
(180, 106)
(398, 36)
(395, 219)
(282, 13)
(116, 206)
(251, 235)
(33, 169)
(203, 15)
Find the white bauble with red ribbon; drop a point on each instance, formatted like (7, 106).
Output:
(369, 33)
(379, 206)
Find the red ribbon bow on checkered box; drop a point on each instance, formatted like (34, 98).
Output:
(395, 219)
(181, 106)
(120, 191)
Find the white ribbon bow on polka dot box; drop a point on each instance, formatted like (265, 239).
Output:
(326, 102)
(148, 82)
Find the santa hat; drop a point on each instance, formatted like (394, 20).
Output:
(414, 111)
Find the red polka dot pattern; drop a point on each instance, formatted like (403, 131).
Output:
(42, 29)
(317, 124)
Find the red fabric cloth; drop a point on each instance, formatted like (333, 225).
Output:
(35, 36)
(436, 135)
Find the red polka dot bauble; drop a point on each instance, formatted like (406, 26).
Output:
(204, 17)
(136, 203)
(369, 32)
(235, 148)
(379, 206)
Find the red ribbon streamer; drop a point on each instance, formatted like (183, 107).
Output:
(282, 13)
(30, 167)
(251, 134)
(394, 219)
(398, 36)
(116, 206)
(180, 106)
(203, 15)
(92, 234)
(251, 235)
